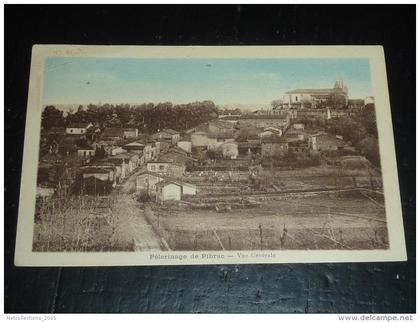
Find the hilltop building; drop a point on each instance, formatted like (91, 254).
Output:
(317, 97)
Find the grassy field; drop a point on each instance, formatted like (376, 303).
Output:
(229, 214)
(80, 223)
(318, 177)
(330, 221)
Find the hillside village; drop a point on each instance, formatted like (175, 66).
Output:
(231, 161)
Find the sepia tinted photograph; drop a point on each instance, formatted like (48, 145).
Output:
(145, 154)
(154, 155)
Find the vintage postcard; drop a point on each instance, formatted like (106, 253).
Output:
(161, 155)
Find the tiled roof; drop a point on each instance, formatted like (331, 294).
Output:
(170, 131)
(272, 131)
(134, 144)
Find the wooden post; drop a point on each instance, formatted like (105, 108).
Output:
(261, 237)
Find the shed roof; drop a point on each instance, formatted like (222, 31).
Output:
(134, 145)
(170, 131)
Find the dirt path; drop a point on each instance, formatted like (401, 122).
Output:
(132, 224)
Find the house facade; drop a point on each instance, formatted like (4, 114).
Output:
(199, 139)
(216, 140)
(169, 135)
(129, 133)
(78, 128)
(172, 190)
(325, 142)
(184, 145)
(168, 191)
(136, 147)
(85, 152)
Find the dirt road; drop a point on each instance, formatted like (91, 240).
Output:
(132, 224)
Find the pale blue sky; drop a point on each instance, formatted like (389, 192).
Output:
(224, 81)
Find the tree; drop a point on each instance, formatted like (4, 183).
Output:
(51, 116)
(336, 101)
(276, 104)
(368, 118)
(370, 149)
(246, 133)
(147, 117)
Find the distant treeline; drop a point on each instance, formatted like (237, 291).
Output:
(147, 117)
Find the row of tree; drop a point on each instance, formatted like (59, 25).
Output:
(147, 117)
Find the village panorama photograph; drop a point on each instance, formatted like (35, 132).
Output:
(140, 155)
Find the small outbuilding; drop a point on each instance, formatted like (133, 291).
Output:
(172, 190)
(168, 190)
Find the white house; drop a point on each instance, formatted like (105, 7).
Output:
(85, 152)
(171, 190)
(158, 166)
(188, 189)
(78, 128)
(168, 190)
(184, 145)
(298, 126)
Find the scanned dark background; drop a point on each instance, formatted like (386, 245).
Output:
(370, 287)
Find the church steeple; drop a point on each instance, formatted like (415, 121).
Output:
(339, 83)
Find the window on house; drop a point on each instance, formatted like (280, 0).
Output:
(153, 167)
(296, 98)
(161, 167)
(71, 131)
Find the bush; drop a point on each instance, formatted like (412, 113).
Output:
(143, 197)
